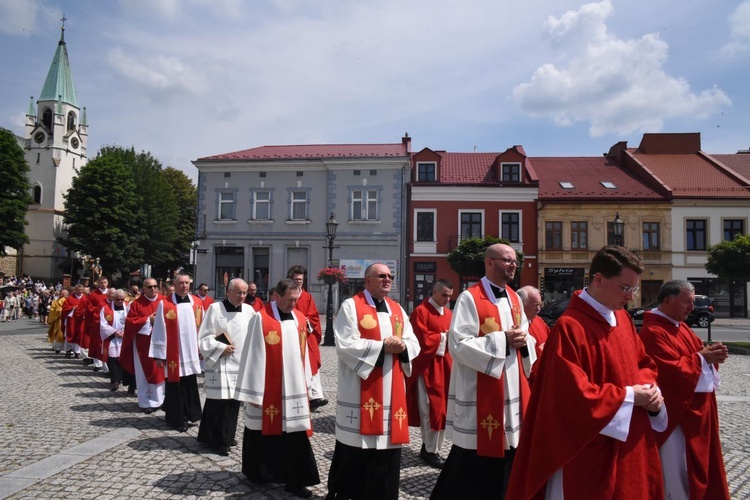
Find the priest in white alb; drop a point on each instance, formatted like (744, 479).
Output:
(273, 382)
(220, 340)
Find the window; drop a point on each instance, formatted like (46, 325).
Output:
(71, 120)
(553, 235)
(651, 236)
(511, 172)
(510, 226)
(38, 194)
(733, 228)
(426, 172)
(425, 226)
(373, 172)
(579, 235)
(471, 225)
(226, 205)
(298, 209)
(356, 173)
(261, 205)
(695, 232)
(364, 204)
(47, 120)
(566, 185)
(608, 185)
(227, 174)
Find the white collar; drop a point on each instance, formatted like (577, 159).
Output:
(607, 313)
(440, 309)
(656, 310)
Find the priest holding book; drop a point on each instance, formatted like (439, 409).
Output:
(220, 340)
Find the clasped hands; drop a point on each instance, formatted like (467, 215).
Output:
(228, 350)
(648, 396)
(516, 337)
(715, 353)
(394, 345)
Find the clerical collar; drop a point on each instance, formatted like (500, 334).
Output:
(181, 300)
(150, 299)
(285, 316)
(231, 308)
(118, 308)
(379, 305)
(493, 290)
(607, 313)
(656, 310)
(439, 309)
(103, 290)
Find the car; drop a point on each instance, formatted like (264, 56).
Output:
(701, 315)
(553, 311)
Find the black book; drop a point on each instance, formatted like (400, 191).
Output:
(224, 338)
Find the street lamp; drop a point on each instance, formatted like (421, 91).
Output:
(331, 227)
(617, 228)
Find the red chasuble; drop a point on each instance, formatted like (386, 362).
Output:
(81, 335)
(540, 331)
(491, 391)
(109, 316)
(70, 325)
(96, 300)
(139, 313)
(306, 305)
(272, 404)
(257, 304)
(371, 389)
(579, 388)
(173, 334)
(427, 324)
(675, 351)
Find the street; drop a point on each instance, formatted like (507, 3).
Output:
(65, 434)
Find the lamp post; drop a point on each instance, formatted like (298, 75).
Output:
(331, 227)
(617, 228)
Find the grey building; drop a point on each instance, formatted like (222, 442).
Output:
(263, 210)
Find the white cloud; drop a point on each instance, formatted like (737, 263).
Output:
(26, 17)
(167, 9)
(618, 86)
(739, 26)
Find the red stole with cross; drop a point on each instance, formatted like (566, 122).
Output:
(173, 334)
(491, 391)
(371, 389)
(272, 404)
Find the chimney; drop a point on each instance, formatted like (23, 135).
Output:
(406, 141)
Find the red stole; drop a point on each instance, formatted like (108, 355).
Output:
(173, 334)
(491, 391)
(109, 317)
(272, 404)
(371, 389)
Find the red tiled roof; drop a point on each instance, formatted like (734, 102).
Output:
(740, 163)
(692, 175)
(467, 168)
(315, 151)
(586, 174)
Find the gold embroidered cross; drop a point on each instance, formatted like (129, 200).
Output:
(490, 423)
(371, 405)
(172, 365)
(272, 411)
(400, 416)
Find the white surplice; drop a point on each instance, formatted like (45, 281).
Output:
(118, 325)
(187, 337)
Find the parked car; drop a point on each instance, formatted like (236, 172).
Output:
(701, 315)
(553, 311)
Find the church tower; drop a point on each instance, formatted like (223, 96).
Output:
(56, 138)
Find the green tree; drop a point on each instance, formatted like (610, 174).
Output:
(730, 260)
(467, 259)
(186, 201)
(103, 216)
(157, 205)
(14, 193)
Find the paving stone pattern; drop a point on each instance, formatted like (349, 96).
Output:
(64, 434)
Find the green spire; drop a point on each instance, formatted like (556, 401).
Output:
(32, 110)
(59, 80)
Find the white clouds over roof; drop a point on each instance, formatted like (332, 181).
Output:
(615, 85)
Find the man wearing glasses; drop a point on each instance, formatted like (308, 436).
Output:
(589, 428)
(492, 359)
(204, 296)
(112, 329)
(149, 379)
(375, 346)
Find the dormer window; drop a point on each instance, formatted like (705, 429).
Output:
(427, 171)
(510, 172)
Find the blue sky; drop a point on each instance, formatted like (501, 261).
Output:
(185, 79)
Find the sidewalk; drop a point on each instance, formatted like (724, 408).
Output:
(65, 435)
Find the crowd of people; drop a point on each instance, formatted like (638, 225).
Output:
(591, 409)
(25, 298)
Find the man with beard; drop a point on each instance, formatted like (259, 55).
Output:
(174, 346)
(134, 359)
(252, 298)
(202, 294)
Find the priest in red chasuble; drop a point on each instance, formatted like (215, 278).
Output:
(273, 380)
(427, 387)
(590, 425)
(492, 359)
(532, 304)
(375, 345)
(690, 448)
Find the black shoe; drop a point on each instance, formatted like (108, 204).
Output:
(234, 442)
(299, 491)
(317, 403)
(223, 451)
(432, 459)
(77, 356)
(131, 390)
(115, 386)
(96, 369)
(57, 351)
(183, 427)
(69, 354)
(88, 361)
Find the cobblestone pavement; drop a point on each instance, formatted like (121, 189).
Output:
(65, 434)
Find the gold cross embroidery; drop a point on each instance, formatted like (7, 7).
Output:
(371, 406)
(490, 423)
(272, 411)
(172, 365)
(400, 416)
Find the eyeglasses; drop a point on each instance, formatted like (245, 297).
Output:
(506, 260)
(119, 300)
(151, 286)
(384, 276)
(627, 289)
(204, 289)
